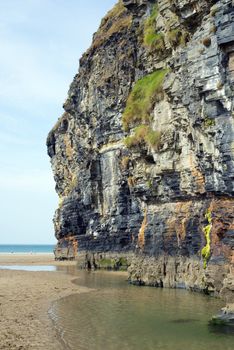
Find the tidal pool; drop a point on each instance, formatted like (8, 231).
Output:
(117, 315)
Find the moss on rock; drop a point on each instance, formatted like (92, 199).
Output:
(206, 251)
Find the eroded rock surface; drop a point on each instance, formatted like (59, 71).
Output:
(225, 317)
(169, 207)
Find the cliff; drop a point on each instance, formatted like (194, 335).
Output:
(143, 156)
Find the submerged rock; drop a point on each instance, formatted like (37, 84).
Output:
(225, 317)
(143, 156)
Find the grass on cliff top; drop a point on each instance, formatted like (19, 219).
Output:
(116, 20)
(145, 93)
(117, 10)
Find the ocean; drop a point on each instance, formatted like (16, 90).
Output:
(26, 248)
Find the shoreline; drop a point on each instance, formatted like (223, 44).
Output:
(25, 298)
(39, 259)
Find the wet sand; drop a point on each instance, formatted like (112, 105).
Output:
(25, 298)
(31, 259)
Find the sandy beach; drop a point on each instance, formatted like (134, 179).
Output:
(32, 259)
(25, 298)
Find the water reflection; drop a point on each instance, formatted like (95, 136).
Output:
(222, 329)
(28, 267)
(121, 316)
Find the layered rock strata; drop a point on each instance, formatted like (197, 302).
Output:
(156, 186)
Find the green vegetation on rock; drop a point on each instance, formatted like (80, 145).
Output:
(177, 37)
(149, 27)
(152, 39)
(153, 138)
(106, 263)
(145, 93)
(142, 135)
(209, 122)
(207, 229)
(113, 264)
(116, 20)
(138, 137)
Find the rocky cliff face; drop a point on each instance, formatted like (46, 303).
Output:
(143, 157)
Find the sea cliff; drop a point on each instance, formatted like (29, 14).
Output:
(143, 156)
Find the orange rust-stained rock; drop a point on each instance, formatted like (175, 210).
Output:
(222, 211)
(66, 248)
(178, 220)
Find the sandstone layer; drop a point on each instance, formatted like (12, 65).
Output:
(143, 156)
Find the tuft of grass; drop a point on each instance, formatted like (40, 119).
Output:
(149, 26)
(118, 26)
(158, 43)
(153, 40)
(208, 122)
(177, 37)
(115, 21)
(173, 37)
(143, 135)
(138, 137)
(142, 99)
(117, 10)
(153, 138)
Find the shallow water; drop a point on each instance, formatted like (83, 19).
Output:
(28, 268)
(117, 315)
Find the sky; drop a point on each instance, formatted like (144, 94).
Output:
(41, 43)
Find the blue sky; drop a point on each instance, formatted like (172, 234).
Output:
(41, 43)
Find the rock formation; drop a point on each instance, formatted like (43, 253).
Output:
(225, 317)
(143, 156)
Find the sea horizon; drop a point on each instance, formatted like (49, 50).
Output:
(26, 248)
